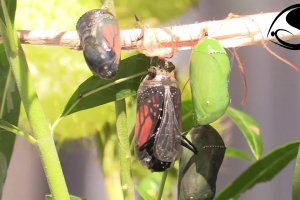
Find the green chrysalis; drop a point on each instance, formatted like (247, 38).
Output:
(198, 172)
(209, 73)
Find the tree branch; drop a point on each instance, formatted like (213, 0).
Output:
(234, 31)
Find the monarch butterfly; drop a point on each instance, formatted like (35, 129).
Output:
(158, 127)
(198, 172)
(99, 34)
(209, 72)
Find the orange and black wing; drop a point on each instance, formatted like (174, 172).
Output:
(149, 112)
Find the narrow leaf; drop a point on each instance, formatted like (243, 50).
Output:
(149, 185)
(4, 125)
(11, 9)
(237, 153)
(3, 170)
(95, 91)
(9, 101)
(296, 178)
(262, 170)
(250, 129)
(143, 193)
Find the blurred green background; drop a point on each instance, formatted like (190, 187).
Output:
(273, 98)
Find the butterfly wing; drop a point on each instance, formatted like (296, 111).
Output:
(149, 111)
(168, 139)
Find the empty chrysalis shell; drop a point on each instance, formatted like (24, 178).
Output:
(198, 172)
(209, 73)
(99, 34)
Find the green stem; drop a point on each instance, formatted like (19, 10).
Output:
(124, 150)
(34, 111)
(162, 185)
(124, 147)
(40, 127)
(13, 129)
(109, 5)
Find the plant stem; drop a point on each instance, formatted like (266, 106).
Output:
(124, 150)
(13, 129)
(162, 184)
(187, 35)
(122, 131)
(109, 5)
(40, 128)
(34, 111)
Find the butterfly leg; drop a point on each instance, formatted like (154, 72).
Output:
(188, 144)
(141, 36)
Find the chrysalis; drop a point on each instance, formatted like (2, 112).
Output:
(209, 73)
(100, 38)
(198, 172)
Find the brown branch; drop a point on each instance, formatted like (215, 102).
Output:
(234, 31)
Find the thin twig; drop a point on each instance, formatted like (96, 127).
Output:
(234, 32)
(14, 129)
(162, 185)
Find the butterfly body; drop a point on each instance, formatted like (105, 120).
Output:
(158, 125)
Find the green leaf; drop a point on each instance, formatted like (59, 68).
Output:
(95, 91)
(296, 178)
(11, 8)
(143, 193)
(72, 197)
(3, 170)
(187, 115)
(149, 186)
(250, 129)
(9, 102)
(262, 170)
(237, 153)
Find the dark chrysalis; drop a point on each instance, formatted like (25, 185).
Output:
(158, 121)
(99, 35)
(198, 172)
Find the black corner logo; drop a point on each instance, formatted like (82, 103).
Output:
(293, 19)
